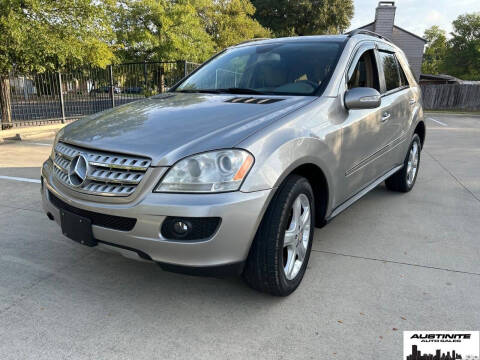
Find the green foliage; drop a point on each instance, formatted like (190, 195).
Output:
(38, 35)
(463, 56)
(230, 22)
(304, 17)
(183, 29)
(161, 30)
(460, 55)
(435, 51)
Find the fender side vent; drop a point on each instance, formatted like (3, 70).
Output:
(252, 100)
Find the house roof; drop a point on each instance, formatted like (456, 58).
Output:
(447, 78)
(442, 77)
(408, 32)
(398, 27)
(364, 26)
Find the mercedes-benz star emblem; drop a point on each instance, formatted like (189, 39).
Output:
(78, 170)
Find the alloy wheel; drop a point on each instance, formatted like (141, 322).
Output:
(412, 164)
(297, 237)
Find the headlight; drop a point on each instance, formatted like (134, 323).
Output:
(215, 171)
(55, 142)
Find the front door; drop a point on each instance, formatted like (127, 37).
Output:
(362, 135)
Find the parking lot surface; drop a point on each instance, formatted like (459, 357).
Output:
(391, 262)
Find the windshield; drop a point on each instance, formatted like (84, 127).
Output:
(280, 68)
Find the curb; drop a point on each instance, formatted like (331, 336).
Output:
(27, 133)
(20, 137)
(436, 113)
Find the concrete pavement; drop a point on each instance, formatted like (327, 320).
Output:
(389, 263)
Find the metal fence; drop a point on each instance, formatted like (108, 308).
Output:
(62, 96)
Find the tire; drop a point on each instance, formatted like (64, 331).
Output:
(266, 267)
(402, 180)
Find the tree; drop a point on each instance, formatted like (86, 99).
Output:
(229, 22)
(463, 56)
(154, 30)
(435, 51)
(304, 17)
(39, 35)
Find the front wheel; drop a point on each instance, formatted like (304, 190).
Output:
(404, 179)
(280, 251)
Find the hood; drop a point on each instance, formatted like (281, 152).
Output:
(169, 127)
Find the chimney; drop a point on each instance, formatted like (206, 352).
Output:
(384, 18)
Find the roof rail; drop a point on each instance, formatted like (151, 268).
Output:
(251, 40)
(366, 32)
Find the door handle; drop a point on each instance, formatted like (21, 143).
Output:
(386, 116)
(412, 101)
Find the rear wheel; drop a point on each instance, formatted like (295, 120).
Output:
(281, 249)
(404, 179)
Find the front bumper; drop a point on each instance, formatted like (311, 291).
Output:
(240, 212)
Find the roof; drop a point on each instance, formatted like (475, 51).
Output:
(447, 78)
(294, 39)
(364, 26)
(395, 26)
(408, 32)
(367, 33)
(442, 77)
(439, 76)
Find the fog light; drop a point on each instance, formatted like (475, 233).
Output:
(181, 228)
(189, 228)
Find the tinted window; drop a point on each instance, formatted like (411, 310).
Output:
(390, 70)
(403, 77)
(364, 73)
(277, 68)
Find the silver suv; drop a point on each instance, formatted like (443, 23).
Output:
(231, 170)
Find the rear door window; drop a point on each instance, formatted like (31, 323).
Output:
(403, 77)
(390, 70)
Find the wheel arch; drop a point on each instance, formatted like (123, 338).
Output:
(421, 131)
(317, 179)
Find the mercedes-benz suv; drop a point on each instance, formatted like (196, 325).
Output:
(234, 167)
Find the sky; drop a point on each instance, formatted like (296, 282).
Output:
(417, 15)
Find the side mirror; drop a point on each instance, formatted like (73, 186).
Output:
(362, 98)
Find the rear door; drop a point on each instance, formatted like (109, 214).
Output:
(396, 106)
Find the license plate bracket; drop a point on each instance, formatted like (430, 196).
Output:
(77, 228)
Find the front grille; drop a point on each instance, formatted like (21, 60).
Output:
(107, 174)
(108, 221)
